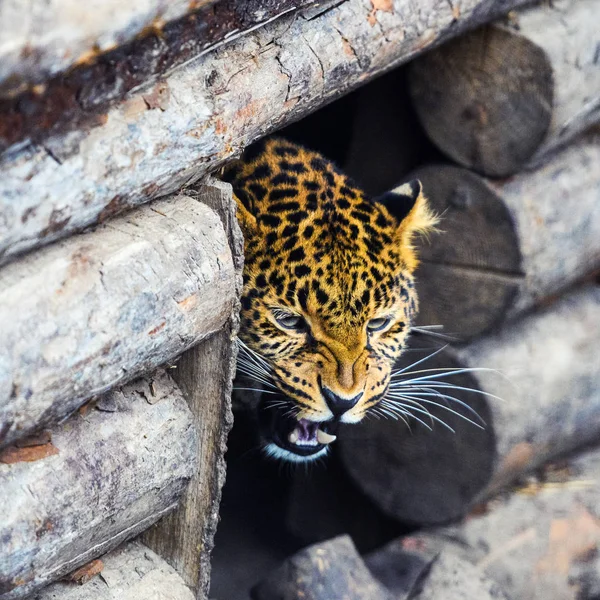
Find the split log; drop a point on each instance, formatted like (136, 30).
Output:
(185, 538)
(501, 97)
(157, 139)
(509, 246)
(333, 569)
(101, 308)
(548, 371)
(132, 571)
(43, 39)
(114, 472)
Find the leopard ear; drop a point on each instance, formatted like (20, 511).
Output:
(409, 205)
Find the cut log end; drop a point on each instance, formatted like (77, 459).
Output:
(485, 99)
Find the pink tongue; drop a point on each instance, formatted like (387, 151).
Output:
(307, 430)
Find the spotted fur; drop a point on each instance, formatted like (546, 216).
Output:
(317, 248)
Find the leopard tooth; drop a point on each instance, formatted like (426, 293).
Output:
(294, 436)
(325, 438)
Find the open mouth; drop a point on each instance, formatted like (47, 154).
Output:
(292, 439)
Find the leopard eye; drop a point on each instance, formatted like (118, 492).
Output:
(289, 321)
(378, 324)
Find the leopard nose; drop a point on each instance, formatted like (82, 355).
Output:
(338, 405)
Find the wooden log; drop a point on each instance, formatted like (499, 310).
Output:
(542, 541)
(43, 39)
(538, 541)
(503, 96)
(131, 571)
(185, 538)
(507, 247)
(115, 472)
(547, 372)
(332, 569)
(160, 137)
(104, 307)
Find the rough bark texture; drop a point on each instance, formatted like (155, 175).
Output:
(333, 569)
(502, 96)
(118, 469)
(548, 368)
(204, 112)
(506, 247)
(39, 39)
(132, 572)
(185, 538)
(106, 306)
(96, 79)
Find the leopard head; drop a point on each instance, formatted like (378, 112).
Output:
(329, 294)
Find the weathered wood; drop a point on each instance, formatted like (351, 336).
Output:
(547, 371)
(40, 39)
(118, 469)
(99, 73)
(537, 541)
(324, 571)
(131, 572)
(508, 246)
(186, 537)
(209, 109)
(503, 96)
(542, 541)
(106, 306)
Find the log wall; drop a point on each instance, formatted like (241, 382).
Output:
(104, 476)
(147, 287)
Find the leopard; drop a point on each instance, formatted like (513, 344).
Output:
(329, 294)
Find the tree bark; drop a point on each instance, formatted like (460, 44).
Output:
(185, 538)
(504, 96)
(99, 309)
(545, 370)
(507, 247)
(116, 470)
(159, 138)
(44, 39)
(131, 572)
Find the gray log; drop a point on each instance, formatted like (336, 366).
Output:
(541, 542)
(39, 39)
(213, 106)
(106, 306)
(118, 469)
(506, 247)
(186, 537)
(42, 39)
(332, 569)
(548, 367)
(538, 541)
(503, 96)
(131, 572)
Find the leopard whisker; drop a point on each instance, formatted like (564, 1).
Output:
(444, 407)
(407, 410)
(251, 389)
(425, 391)
(451, 386)
(418, 362)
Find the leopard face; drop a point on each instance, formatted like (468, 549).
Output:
(328, 295)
